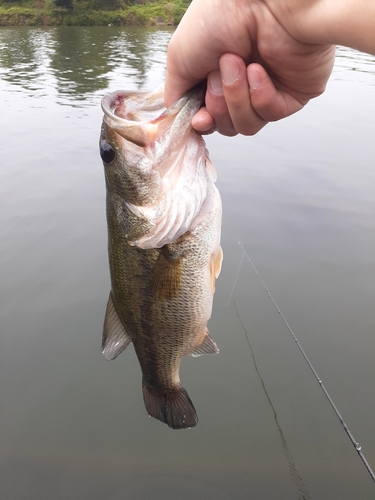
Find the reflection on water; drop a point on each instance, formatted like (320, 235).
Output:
(300, 195)
(302, 492)
(347, 59)
(25, 57)
(77, 62)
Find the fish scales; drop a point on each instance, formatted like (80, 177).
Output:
(164, 222)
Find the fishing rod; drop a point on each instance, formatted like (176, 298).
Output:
(356, 445)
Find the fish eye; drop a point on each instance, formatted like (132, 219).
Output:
(107, 152)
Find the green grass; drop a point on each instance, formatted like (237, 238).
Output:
(89, 13)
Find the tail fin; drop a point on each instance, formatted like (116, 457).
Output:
(172, 407)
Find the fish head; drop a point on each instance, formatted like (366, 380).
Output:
(124, 144)
(156, 165)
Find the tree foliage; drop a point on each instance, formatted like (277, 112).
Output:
(91, 12)
(107, 4)
(68, 4)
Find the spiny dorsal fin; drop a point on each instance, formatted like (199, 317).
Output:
(115, 338)
(166, 275)
(207, 346)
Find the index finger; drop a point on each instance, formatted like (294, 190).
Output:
(191, 55)
(177, 82)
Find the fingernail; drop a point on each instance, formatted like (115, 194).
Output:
(254, 79)
(229, 71)
(215, 83)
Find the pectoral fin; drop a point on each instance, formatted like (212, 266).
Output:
(167, 275)
(115, 338)
(207, 346)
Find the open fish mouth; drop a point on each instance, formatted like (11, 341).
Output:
(134, 106)
(143, 114)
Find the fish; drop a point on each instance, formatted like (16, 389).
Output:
(164, 225)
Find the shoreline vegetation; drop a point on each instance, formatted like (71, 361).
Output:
(92, 12)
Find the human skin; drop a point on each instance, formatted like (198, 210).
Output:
(263, 59)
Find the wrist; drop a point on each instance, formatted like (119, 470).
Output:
(350, 23)
(302, 19)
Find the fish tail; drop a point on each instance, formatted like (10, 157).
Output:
(172, 407)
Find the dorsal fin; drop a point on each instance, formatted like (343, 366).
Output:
(115, 338)
(207, 346)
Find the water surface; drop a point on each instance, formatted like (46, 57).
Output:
(300, 196)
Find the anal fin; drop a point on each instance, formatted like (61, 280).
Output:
(115, 338)
(207, 346)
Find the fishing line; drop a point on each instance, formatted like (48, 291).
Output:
(235, 281)
(344, 425)
(303, 493)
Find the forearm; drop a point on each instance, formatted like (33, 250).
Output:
(338, 22)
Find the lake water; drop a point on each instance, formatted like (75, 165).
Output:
(300, 196)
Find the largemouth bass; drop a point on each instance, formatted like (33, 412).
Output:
(164, 222)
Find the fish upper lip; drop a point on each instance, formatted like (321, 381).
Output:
(111, 102)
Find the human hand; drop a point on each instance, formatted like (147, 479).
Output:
(256, 70)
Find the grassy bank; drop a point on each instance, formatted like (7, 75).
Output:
(90, 13)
